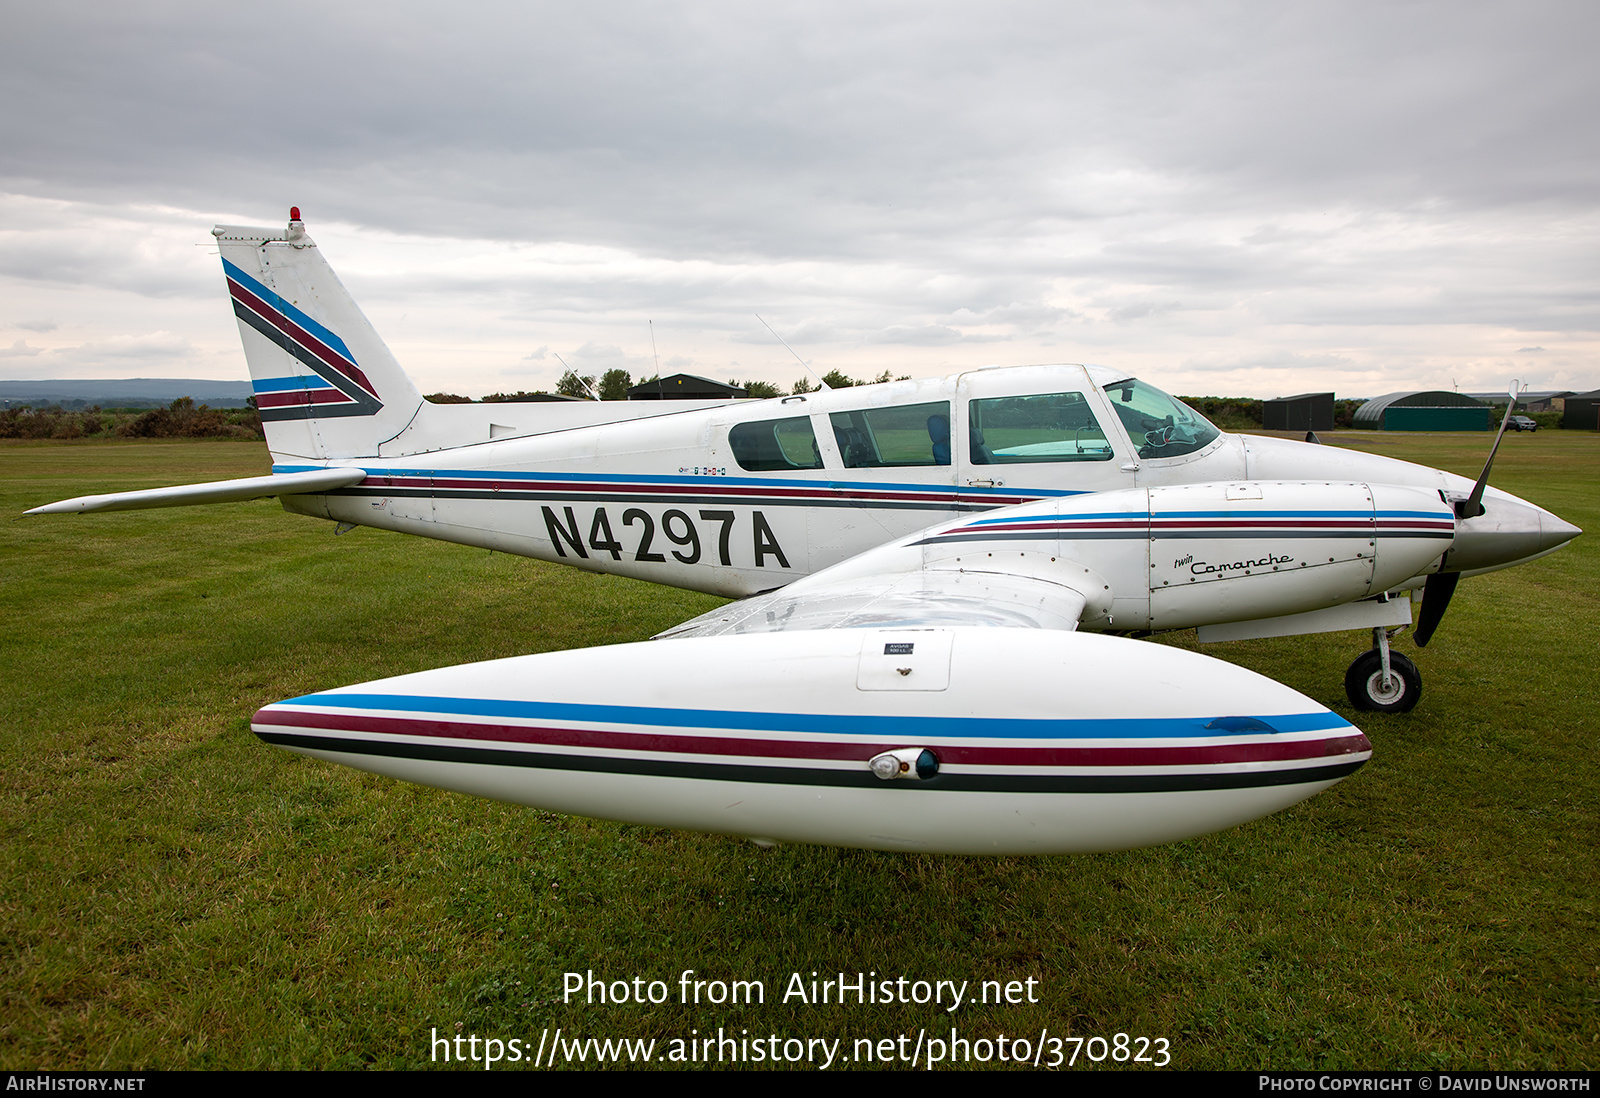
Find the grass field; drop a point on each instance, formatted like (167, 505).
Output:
(177, 894)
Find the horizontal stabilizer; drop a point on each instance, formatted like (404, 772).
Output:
(217, 491)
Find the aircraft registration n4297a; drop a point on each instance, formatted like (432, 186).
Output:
(921, 569)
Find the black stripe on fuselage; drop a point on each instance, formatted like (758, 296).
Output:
(793, 775)
(1174, 535)
(673, 500)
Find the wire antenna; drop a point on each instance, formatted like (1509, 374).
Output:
(581, 379)
(797, 358)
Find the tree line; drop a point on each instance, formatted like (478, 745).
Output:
(180, 419)
(184, 419)
(614, 385)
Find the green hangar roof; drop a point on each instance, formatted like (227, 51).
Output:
(1426, 410)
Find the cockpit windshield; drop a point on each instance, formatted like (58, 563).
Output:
(1160, 425)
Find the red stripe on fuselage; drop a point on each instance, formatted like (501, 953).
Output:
(706, 487)
(1064, 528)
(1260, 524)
(1276, 750)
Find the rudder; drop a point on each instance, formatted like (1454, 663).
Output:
(326, 385)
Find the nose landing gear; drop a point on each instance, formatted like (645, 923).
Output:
(1381, 681)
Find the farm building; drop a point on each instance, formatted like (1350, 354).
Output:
(684, 387)
(1582, 411)
(1432, 410)
(1306, 412)
(1530, 402)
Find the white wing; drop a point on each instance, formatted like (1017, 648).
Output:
(919, 582)
(927, 598)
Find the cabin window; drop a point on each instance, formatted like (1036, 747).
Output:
(909, 434)
(775, 444)
(1042, 427)
(1160, 425)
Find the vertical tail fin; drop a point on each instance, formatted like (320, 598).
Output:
(325, 383)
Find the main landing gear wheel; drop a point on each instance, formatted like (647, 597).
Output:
(1364, 683)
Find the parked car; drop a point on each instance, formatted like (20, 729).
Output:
(1522, 423)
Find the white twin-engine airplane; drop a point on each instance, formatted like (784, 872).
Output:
(924, 570)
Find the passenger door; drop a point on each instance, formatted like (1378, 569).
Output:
(1042, 431)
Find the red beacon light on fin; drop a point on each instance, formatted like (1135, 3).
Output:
(294, 213)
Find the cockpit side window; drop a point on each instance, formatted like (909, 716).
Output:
(1042, 427)
(775, 444)
(1160, 425)
(910, 434)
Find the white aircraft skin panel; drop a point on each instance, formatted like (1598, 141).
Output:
(1286, 459)
(462, 426)
(931, 822)
(1026, 722)
(728, 535)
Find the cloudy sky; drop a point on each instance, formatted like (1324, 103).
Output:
(1246, 199)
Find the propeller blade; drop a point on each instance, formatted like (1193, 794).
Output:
(1472, 506)
(1435, 600)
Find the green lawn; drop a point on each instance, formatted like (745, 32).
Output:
(177, 894)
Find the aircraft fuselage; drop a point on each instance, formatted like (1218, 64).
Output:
(750, 496)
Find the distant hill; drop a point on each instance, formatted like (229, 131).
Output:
(135, 392)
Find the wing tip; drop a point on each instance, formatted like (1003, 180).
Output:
(75, 506)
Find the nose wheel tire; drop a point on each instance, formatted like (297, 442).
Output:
(1364, 683)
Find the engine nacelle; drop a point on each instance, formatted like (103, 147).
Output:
(1236, 552)
(1203, 554)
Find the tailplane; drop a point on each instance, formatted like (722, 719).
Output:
(325, 383)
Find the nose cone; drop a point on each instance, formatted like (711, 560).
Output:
(1554, 532)
(1510, 531)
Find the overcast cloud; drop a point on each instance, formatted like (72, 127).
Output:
(1224, 198)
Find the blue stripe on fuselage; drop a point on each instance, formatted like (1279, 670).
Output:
(701, 482)
(906, 728)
